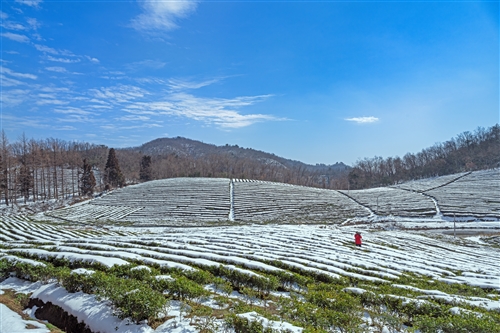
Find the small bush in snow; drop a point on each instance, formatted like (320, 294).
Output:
(462, 323)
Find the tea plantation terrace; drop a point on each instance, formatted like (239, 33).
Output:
(472, 195)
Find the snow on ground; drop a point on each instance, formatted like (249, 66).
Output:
(470, 196)
(327, 249)
(11, 322)
(421, 242)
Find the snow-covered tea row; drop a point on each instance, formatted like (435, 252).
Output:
(12, 230)
(476, 194)
(201, 200)
(258, 201)
(383, 257)
(427, 184)
(389, 201)
(173, 199)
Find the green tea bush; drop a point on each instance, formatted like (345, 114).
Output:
(33, 273)
(203, 318)
(80, 282)
(224, 286)
(139, 304)
(5, 268)
(199, 276)
(243, 325)
(182, 288)
(325, 314)
(462, 323)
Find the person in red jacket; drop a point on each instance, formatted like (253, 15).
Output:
(357, 239)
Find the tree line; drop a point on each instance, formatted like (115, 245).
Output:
(40, 170)
(468, 151)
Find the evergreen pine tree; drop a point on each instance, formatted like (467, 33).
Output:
(26, 181)
(112, 174)
(145, 173)
(87, 181)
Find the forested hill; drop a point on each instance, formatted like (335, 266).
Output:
(468, 151)
(177, 157)
(186, 147)
(54, 169)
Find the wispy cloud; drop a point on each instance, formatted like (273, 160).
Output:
(13, 97)
(50, 100)
(9, 82)
(64, 128)
(31, 3)
(9, 72)
(16, 37)
(162, 15)
(94, 60)
(133, 118)
(214, 111)
(70, 57)
(118, 94)
(63, 60)
(33, 23)
(73, 111)
(363, 120)
(12, 25)
(179, 84)
(25, 122)
(46, 49)
(57, 69)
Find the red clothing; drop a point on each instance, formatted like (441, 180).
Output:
(357, 239)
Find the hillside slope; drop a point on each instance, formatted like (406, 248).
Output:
(176, 201)
(187, 147)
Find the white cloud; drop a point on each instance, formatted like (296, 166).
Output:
(363, 120)
(94, 60)
(31, 3)
(3, 16)
(9, 82)
(54, 89)
(178, 84)
(12, 26)
(133, 118)
(46, 49)
(7, 71)
(75, 118)
(73, 111)
(162, 15)
(216, 111)
(33, 23)
(16, 37)
(13, 97)
(65, 128)
(63, 60)
(51, 102)
(118, 94)
(57, 69)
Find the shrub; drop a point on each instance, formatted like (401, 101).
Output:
(182, 288)
(463, 323)
(139, 304)
(199, 276)
(243, 325)
(79, 282)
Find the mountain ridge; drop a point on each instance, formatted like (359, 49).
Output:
(182, 146)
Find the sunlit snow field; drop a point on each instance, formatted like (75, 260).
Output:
(395, 247)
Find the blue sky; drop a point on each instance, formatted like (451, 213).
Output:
(315, 81)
